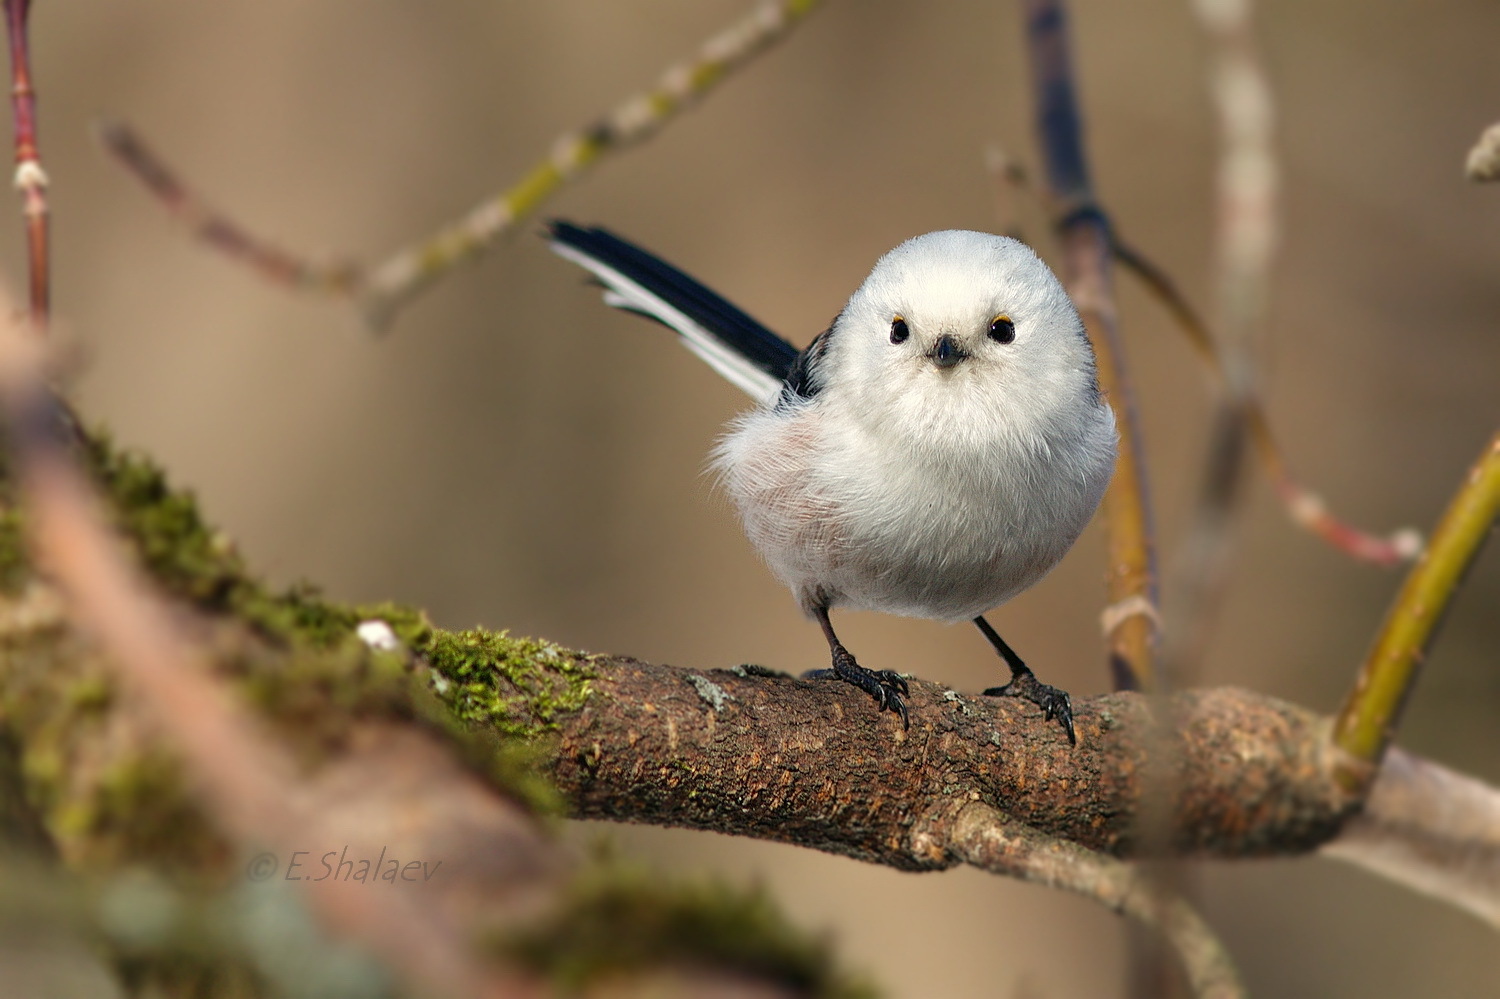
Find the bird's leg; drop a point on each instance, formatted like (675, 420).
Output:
(887, 687)
(1023, 683)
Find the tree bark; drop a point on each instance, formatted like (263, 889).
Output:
(812, 763)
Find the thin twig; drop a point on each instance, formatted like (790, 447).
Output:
(1305, 507)
(1367, 721)
(392, 284)
(1009, 177)
(30, 178)
(984, 837)
(1430, 829)
(382, 290)
(1131, 618)
(214, 227)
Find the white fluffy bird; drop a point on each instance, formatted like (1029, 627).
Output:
(931, 454)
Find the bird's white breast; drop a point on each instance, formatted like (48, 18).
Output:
(939, 525)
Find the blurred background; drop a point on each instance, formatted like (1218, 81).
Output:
(516, 455)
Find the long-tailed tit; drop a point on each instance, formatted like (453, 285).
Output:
(933, 453)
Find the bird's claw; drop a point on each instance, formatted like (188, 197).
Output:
(886, 687)
(1053, 702)
(891, 679)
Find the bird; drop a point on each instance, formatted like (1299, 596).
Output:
(932, 453)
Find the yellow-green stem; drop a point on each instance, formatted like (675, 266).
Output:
(1367, 722)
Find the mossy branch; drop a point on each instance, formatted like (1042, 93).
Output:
(361, 746)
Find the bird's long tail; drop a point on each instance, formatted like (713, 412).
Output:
(733, 344)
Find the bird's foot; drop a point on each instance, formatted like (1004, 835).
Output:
(887, 687)
(1053, 702)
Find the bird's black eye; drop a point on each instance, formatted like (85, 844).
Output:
(899, 332)
(1002, 330)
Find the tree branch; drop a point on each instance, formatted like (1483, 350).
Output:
(737, 751)
(988, 840)
(808, 763)
(1433, 830)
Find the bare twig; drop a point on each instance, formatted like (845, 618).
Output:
(30, 179)
(1009, 177)
(984, 837)
(1304, 506)
(214, 227)
(383, 289)
(1367, 721)
(396, 281)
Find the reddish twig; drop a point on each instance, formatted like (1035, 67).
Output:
(30, 179)
(217, 229)
(1305, 507)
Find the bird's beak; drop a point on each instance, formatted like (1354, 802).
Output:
(946, 352)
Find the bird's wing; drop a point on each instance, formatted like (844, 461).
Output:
(733, 344)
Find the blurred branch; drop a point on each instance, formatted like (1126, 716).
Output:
(302, 726)
(985, 838)
(1367, 722)
(1430, 829)
(214, 227)
(1245, 243)
(1483, 163)
(248, 783)
(382, 290)
(393, 283)
(1131, 620)
(30, 179)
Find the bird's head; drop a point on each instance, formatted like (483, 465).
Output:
(955, 327)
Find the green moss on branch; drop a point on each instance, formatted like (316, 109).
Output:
(306, 670)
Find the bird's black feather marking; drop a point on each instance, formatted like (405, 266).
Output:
(802, 381)
(719, 317)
